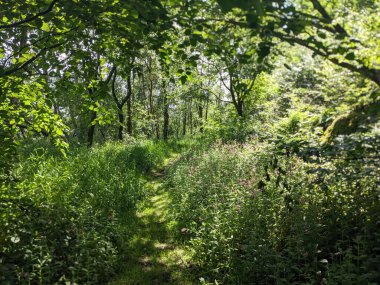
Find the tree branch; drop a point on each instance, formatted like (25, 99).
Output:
(50, 35)
(108, 79)
(338, 28)
(370, 73)
(119, 106)
(31, 60)
(224, 84)
(234, 101)
(15, 24)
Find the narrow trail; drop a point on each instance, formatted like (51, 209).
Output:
(154, 254)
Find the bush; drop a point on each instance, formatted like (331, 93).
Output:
(63, 219)
(259, 217)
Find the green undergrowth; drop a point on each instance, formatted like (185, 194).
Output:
(153, 254)
(256, 216)
(64, 219)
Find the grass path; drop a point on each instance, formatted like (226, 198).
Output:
(154, 256)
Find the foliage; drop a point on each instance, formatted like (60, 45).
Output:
(63, 220)
(280, 96)
(25, 108)
(254, 215)
(309, 24)
(357, 120)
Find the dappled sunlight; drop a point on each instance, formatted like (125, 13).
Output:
(189, 142)
(154, 256)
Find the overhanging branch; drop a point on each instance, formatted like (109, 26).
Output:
(31, 18)
(31, 60)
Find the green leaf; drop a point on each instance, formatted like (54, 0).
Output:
(350, 56)
(183, 79)
(228, 5)
(193, 41)
(264, 50)
(322, 35)
(134, 14)
(180, 71)
(39, 23)
(45, 27)
(252, 21)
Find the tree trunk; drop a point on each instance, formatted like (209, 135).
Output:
(236, 99)
(191, 116)
(200, 115)
(121, 122)
(91, 130)
(239, 108)
(206, 113)
(152, 117)
(129, 106)
(166, 111)
(184, 124)
(150, 110)
(157, 129)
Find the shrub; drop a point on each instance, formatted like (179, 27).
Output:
(63, 219)
(259, 217)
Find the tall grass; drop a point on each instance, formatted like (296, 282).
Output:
(62, 221)
(258, 218)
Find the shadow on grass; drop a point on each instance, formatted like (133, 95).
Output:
(151, 254)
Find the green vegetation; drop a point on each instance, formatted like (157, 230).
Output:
(255, 215)
(153, 253)
(66, 218)
(189, 142)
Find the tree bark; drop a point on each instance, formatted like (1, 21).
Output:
(91, 130)
(150, 110)
(237, 100)
(129, 105)
(166, 111)
(200, 115)
(206, 113)
(121, 127)
(191, 116)
(184, 123)
(120, 106)
(239, 108)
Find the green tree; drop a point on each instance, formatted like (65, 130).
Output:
(311, 25)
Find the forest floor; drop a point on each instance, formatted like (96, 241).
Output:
(154, 253)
